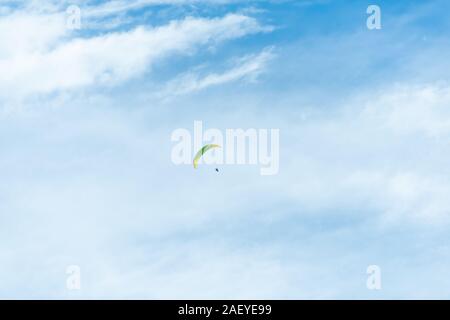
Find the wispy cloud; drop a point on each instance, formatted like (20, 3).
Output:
(120, 6)
(108, 59)
(247, 68)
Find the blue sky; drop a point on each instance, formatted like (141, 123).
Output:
(87, 179)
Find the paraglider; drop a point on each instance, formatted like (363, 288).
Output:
(202, 151)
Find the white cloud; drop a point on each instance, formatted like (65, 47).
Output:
(99, 192)
(383, 153)
(22, 34)
(120, 6)
(93, 10)
(108, 59)
(416, 108)
(246, 68)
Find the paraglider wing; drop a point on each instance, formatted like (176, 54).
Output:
(202, 151)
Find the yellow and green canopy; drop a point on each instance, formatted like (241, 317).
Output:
(202, 151)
